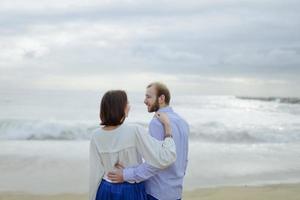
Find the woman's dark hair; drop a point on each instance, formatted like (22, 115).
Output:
(112, 108)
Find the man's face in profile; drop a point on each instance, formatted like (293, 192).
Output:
(151, 99)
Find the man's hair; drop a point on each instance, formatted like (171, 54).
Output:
(112, 108)
(161, 89)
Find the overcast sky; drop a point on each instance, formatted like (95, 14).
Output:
(215, 47)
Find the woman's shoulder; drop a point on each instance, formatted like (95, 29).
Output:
(124, 132)
(98, 131)
(124, 128)
(134, 128)
(130, 127)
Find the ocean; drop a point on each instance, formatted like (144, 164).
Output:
(233, 140)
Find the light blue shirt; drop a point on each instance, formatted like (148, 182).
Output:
(165, 184)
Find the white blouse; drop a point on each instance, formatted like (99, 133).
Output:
(127, 145)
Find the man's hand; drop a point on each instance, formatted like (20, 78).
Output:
(116, 176)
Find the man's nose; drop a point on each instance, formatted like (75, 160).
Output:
(145, 101)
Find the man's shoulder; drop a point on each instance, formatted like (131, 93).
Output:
(156, 129)
(155, 123)
(177, 118)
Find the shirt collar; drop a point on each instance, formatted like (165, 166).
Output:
(165, 109)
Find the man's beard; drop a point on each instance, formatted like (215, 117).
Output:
(154, 107)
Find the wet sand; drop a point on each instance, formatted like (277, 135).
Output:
(269, 192)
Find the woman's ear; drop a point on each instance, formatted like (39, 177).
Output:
(127, 109)
(161, 99)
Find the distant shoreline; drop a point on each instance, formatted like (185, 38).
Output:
(287, 100)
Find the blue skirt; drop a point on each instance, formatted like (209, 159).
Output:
(121, 191)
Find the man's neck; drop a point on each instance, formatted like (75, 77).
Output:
(163, 106)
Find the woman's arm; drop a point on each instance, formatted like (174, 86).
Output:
(159, 154)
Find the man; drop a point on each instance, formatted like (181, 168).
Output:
(160, 184)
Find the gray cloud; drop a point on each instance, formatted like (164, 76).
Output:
(217, 39)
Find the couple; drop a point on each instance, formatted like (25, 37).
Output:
(119, 144)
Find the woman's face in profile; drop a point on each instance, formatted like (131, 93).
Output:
(127, 108)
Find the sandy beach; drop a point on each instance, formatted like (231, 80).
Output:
(270, 192)
(58, 170)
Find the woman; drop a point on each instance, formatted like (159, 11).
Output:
(117, 142)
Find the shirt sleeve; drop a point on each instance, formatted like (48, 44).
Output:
(96, 170)
(140, 173)
(144, 171)
(159, 154)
